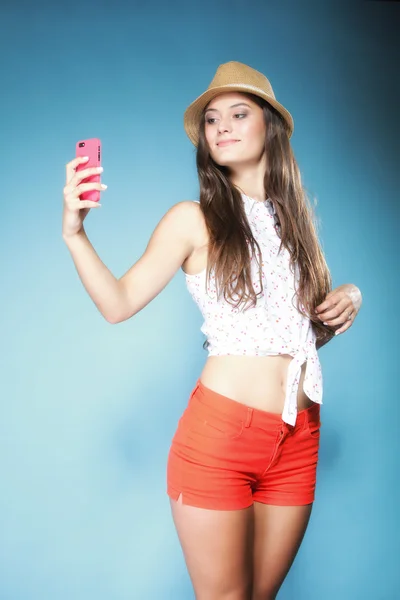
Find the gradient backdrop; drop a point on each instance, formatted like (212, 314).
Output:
(88, 409)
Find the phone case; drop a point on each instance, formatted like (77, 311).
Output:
(92, 149)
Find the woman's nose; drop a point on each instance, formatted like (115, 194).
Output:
(224, 125)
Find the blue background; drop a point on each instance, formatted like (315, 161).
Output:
(88, 409)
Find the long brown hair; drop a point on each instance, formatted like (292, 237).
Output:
(231, 242)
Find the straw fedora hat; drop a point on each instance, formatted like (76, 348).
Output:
(233, 77)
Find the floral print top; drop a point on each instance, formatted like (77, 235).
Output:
(274, 326)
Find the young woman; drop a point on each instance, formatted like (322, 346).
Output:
(242, 464)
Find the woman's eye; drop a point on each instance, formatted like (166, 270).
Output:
(213, 120)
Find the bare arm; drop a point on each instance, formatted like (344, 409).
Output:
(170, 244)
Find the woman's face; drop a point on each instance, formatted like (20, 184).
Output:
(234, 130)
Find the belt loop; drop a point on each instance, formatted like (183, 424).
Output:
(195, 388)
(248, 416)
(306, 417)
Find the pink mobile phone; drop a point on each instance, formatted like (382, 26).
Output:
(92, 149)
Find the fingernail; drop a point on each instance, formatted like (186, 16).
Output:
(337, 332)
(103, 185)
(100, 169)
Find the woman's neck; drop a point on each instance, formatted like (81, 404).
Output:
(251, 181)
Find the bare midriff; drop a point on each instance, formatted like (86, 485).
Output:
(257, 381)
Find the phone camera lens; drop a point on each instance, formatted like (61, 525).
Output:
(81, 144)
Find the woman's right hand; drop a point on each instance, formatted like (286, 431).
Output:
(75, 210)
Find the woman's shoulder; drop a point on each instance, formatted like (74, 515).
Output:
(187, 210)
(188, 215)
(191, 220)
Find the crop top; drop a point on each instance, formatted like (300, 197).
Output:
(274, 325)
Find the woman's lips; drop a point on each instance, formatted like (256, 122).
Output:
(226, 143)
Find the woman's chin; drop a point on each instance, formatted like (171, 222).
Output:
(227, 162)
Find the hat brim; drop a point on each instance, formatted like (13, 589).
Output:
(194, 111)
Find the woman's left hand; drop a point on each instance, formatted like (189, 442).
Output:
(340, 307)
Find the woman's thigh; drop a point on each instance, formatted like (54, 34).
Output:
(217, 546)
(278, 533)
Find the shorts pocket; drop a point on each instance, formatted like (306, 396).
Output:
(313, 427)
(209, 422)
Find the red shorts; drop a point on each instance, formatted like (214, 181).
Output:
(225, 455)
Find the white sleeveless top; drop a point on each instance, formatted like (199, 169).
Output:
(274, 326)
